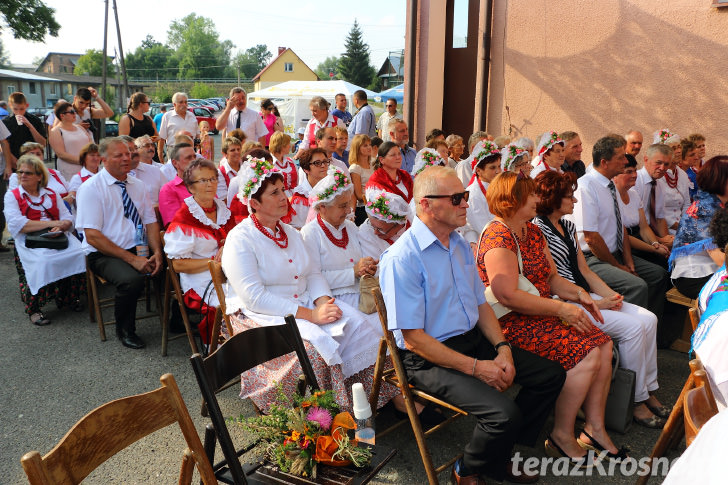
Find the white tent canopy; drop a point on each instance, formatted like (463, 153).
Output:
(292, 98)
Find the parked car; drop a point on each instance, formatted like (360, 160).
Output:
(112, 128)
(204, 115)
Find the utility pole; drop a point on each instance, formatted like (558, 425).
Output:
(121, 53)
(238, 75)
(102, 133)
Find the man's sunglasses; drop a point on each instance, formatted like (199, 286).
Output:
(456, 199)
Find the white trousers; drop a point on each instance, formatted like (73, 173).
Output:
(634, 330)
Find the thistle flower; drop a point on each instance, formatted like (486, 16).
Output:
(320, 416)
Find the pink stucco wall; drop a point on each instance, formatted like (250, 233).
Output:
(598, 67)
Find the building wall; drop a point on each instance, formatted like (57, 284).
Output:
(609, 66)
(276, 73)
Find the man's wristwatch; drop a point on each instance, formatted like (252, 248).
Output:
(501, 344)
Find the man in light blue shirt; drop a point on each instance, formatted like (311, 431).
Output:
(364, 121)
(451, 343)
(399, 135)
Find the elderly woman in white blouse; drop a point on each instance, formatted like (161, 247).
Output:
(334, 239)
(387, 219)
(272, 273)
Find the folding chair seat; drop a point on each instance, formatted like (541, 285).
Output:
(114, 426)
(397, 376)
(222, 368)
(96, 304)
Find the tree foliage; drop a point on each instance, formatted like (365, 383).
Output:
(4, 61)
(354, 64)
(29, 19)
(251, 62)
(198, 50)
(151, 60)
(330, 64)
(91, 63)
(202, 91)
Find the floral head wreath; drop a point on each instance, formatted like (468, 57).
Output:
(331, 186)
(252, 174)
(427, 157)
(509, 155)
(665, 137)
(548, 140)
(386, 206)
(483, 149)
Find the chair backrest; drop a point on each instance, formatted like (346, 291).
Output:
(112, 427)
(218, 279)
(699, 403)
(236, 355)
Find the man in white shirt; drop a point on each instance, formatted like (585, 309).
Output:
(147, 173)
(389, 114)
(179, 119)
(656, 162)
(237, 115)
(110, 207)
(604, 239)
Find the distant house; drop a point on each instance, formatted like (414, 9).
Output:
(287, 66)
(58, 63)
(392, 71)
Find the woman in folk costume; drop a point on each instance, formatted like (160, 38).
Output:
(45, 274)
(427, 157)
(551, 152)
(314, 166)
(387, 215)
(334, 238)
(272, 273)
(486, 164)
(388, 175)
(195, 236)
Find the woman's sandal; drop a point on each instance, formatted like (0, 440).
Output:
(661, 411)
(39, 319)
(621, 454)
(653, 422)
(552, 449)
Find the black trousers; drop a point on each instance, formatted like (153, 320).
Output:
(691, 287)
(129, 285)
(501, 421)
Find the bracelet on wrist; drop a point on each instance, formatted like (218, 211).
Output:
(475, 362)
(504, 343)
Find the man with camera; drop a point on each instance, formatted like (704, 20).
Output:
(85, 111)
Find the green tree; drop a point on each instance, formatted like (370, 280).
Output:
(91, 63)
(323, 70)
(29, 19)
(198, 50)
(354, 63)
(202, 91)
(151, 60)
(4, 61)
(251, 62)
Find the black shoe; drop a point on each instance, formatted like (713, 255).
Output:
(131, 340)
(429, 417)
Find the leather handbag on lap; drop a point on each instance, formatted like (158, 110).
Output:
(524, 283)
(366, 299)
(45, 239)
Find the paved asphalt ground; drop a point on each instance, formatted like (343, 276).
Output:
(52, 376)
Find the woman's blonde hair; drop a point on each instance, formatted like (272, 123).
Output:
(38, 167)
(356, 144)
(277, 141)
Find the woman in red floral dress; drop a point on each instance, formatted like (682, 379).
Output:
(548, 327)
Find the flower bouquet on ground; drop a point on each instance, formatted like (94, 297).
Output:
(305, 431)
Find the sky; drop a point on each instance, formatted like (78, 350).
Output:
(313, 29)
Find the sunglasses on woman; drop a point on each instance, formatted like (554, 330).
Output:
(456, 199)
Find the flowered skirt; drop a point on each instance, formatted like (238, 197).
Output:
(64, 291)
(261, 383)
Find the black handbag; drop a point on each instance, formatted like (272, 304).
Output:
(45, 239)
(620, 400)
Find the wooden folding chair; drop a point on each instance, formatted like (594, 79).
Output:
(397, 376)
(112, 427)
(173, 289)
(218, 279)
(699, 403)
(223, 367)
(96, 304)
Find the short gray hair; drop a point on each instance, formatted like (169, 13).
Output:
(660, 148)
(176, 96)
(318, 102)
(475, 138)
(394, 122)
(126, 138)
(139, 142)
(428, 182)
(525, 142)
(236, 90)
(107, 142)
(174, 152)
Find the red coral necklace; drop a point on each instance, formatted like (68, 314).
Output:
(281, 240)
(342, 243)
(671, 181)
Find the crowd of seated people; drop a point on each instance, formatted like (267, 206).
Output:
(600, 244)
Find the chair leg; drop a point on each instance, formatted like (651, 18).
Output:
(165, 313)
(187, 469)
(215, 336)
(89, 297)
(97, 307)
(378, 371)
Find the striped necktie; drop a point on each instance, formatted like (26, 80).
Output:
(618, 215)
(130, 210)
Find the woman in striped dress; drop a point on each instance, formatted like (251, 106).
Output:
(633, 327)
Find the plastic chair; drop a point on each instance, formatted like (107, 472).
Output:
(112, 427)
